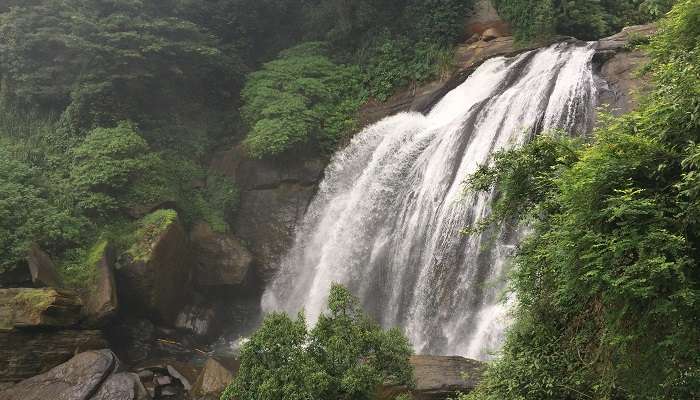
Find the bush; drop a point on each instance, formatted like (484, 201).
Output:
(346, 356)
(302, 97)
(607, 284)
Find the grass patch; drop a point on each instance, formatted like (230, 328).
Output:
(151, 227)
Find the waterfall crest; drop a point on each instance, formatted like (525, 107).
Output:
(387, 218)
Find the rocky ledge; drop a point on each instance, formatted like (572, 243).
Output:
(99, 375)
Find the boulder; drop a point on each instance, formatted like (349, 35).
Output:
(220, 259)
(440, 377)
(78, 379)
(212, 381)
(24, 354)
(198, 320)
(41, 268)
(154, 284)
(101, 301)
(122, 386)
(26, 307)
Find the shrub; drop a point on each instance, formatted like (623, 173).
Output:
(345, 356)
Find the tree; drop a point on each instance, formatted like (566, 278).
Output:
(346, 356)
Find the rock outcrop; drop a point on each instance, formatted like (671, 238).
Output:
(274, 198)
(221, 259)
(92, 375)
(154, 284)
(27, 307)
(24, 354)
(619, 66)
(41, 268)
(440, 378)
(101, 302)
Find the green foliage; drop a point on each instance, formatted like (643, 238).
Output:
(105, 164)
(346, 356)
(607, 285)
(583, 19)
(78, 266)
(150, 229)
(28, 214)
(300, 98)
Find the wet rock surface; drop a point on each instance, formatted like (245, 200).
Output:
(221, 259)
(440, 377)
(79, 378)
(45, 307)
(212, 381)
(101, 302)
(24, 354)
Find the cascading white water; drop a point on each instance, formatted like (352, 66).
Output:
(386, 221)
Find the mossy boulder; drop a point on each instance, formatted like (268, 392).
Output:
(101, 302)
(153, 275)
(45, 307)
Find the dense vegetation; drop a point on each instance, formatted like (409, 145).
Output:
(345, 356)
(110, 108)
(608, 285)
(583, 19)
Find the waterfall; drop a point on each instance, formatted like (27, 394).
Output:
(388, 216)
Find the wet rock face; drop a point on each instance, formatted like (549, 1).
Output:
(274, 197)
(622, 85)
(156, 285)
(221, 259)
(24, 354)
(101, 302)
(27, 307)
(484, 17)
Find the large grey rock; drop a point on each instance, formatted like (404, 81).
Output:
(101, 302)
(42, 269)
(212, 381)
(122, 386)
(155, 285)
(24, 354)
(440, 377)
(26, 307)
(197, 319)
(78, 379)
(221, 259)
